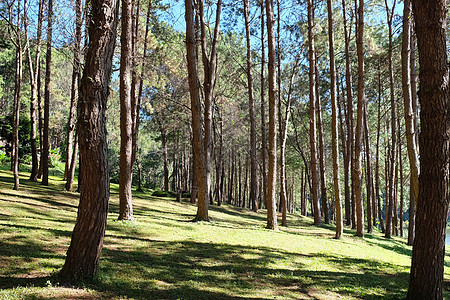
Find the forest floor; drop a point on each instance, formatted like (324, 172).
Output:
(163, 255)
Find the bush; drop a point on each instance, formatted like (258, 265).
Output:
(3, 157)
(54, 158)
(164, 194)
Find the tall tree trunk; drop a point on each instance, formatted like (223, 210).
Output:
(350, 201)
(87, 238)
(334, 122)
(45, 141)
(409, 115)
(17, 92)
(272, 174)
(126, 121)
(393, 155)
(323, 183)
(369, 174)
(427, 268)
(251, 107)
(263, 110)
(377, 155)
(359, 122)
(312, 115)
(284, 122)
(34, 73)
(74, 90)
(71, 172)
(166, 158)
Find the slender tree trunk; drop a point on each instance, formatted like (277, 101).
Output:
(359, 122)
(409, 115)
(17, 92)
(349, 202)
(251, 107)
(87, 238)
(126, 122)
(34, 73)
(45, 141)
(166, 158)
(263, 110)
(369, 174)
(272, 174)
(427, 268)
(334, 122)
(377, 155)
(323, 183)
(393, 155)
(400, 170)
(312, 115)
(74, 90)
(71, 172)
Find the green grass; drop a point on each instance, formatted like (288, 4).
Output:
(163, 255)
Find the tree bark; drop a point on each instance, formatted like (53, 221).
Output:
(126, 122)
(312, 115)
(34, 73)
(74, 91)
(350, 201)
(334, 123)
(393, 154)
(359, 122)
(427, 268)
(377, 155)
(272, 174)
(409, 115)
(251, 107)
(87, 239)
(263, 110)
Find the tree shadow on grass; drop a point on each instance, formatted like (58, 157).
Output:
(192, 270)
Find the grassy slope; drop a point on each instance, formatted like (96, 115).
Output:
(165, 256)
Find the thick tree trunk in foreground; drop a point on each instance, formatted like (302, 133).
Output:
(427, 268)
(126, 143)
(87, 239)
(272, 174)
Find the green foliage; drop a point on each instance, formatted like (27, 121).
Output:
(6, 134)
(164, 194)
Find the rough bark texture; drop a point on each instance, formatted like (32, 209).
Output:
(359, 123)
(45, 141)
(334, 123)
(87, 239)
(126, 122)
(272, 174)
(251, 108)
(427, 268)
(312, 115)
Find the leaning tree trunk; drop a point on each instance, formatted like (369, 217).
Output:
(359, 122)
(427, 268)
(312, 115)
(272, 174)
(87, 238)
(45, 142)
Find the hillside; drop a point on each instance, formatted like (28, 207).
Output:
(165, 256)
